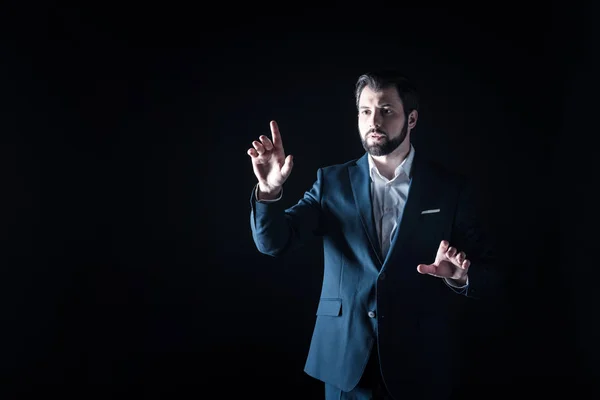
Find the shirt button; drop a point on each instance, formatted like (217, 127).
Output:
(371, 314)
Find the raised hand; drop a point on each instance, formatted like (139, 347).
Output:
(449, 263)
(269, 162)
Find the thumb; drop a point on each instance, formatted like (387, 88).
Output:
(426, 269)
(286, 170)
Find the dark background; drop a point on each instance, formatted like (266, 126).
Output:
(128, 263)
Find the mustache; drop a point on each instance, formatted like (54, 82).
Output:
(377, 131)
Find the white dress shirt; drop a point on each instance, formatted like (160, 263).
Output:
(389, 198)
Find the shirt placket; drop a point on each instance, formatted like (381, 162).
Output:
(387, 218)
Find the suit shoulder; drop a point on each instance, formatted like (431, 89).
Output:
(468, 185)
(335, 169)
(445, 172)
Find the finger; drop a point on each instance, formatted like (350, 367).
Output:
(465, 264)
(427, 269)
(259, 147)
(443, 247)
(286, 170)
(277, 142)
(252, 153)
(460, 257)
(266, 142)
(451, 252)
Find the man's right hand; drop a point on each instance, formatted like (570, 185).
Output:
(270, 164)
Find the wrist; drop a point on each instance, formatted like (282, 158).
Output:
(265, 193)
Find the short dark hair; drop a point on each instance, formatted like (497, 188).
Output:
(379, 80)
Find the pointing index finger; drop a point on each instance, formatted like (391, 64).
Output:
(276, 135)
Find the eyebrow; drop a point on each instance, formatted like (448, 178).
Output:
(382, 105)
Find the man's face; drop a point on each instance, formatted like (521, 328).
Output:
(381, 121)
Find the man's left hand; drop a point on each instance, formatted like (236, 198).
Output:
(449, 263)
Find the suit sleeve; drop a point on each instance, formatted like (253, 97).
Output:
(276, 230)
(472, 233)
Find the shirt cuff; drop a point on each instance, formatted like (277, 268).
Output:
(266, 201)
(452, 284)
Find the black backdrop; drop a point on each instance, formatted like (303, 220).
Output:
(128, 263)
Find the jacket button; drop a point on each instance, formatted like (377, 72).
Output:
(371, 314)
(382, 276)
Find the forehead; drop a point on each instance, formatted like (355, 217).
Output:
(389, 95)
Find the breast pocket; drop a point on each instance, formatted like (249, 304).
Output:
(330, 307)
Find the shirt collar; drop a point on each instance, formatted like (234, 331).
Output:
(404, 167)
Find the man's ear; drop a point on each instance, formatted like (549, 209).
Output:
(412, 118)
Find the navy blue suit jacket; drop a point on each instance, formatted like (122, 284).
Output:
(367, 298)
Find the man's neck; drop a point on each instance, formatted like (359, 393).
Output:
(386, 165)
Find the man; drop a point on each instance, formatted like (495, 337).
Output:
(401, 250)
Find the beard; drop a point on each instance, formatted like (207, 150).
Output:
(385, 145)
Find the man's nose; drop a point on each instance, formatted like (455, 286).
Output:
(375, 121)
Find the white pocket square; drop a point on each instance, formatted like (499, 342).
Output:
(436, 210)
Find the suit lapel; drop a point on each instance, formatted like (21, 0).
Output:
(361, 188)
(423, 183)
